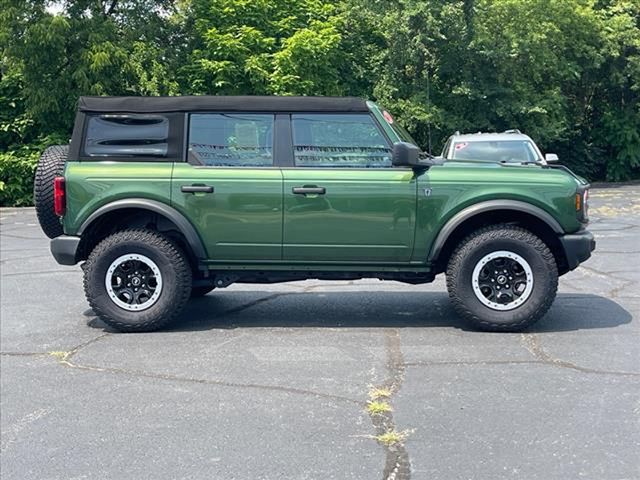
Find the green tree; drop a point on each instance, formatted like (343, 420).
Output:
(617, 128)
(564, 72)
(264, 47)
(92, 47)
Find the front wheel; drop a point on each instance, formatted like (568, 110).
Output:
(137, 280)
(502, 278)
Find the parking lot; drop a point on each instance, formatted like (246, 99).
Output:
(272, 382)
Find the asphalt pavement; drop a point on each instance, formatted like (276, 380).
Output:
(272, 382)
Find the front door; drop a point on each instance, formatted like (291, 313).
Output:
(343, 200)
(229, 188)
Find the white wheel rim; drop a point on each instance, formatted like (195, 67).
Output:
(133, 282)
(503, 288)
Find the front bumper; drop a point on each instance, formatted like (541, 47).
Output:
(64, 249)
(578, 247)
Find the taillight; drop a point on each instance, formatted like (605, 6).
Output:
(59, 200)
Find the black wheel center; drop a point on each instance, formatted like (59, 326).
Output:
(134, 282)
(502, 279)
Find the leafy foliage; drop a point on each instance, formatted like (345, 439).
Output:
(17, 169)
(16, 178)
(571, 82)
(567, 73)
(264, 47)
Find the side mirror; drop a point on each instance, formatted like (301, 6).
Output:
(404, 154)
(551, 157)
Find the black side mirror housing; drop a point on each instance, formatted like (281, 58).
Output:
(404, 154)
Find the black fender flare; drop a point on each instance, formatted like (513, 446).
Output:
(184, 225)
(487, 206)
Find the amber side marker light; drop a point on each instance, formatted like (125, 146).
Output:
(578, 202)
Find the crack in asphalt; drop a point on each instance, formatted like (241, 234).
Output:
(603, 274)
(613, 293)
(205, 381)
(554, 363)
(397, 463)
(65, 359)
(70, 353)
(533, 344)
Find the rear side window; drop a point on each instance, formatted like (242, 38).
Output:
(339, 140)
(231, 140)
(127, 136)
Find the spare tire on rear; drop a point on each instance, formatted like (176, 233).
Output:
(50, 165)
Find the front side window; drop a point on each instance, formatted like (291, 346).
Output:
(231, 140)
(501, 151)
(339, 140)
(127, 135)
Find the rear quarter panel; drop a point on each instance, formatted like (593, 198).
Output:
(90, 185)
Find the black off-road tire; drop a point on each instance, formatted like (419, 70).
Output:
(174, 268)
(496, 238)
(197, 292)
(50, 165)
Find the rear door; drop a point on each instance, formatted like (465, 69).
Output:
(343, 200)
(229, 188)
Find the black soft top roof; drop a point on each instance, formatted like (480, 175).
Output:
(221, 103)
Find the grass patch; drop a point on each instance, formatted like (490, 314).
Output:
(392, 437)
(376, 407)
(376, 393)
(60, 355)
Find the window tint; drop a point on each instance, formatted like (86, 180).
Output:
(334, 140)
(231, 140)
(502, 151)
(127, 136)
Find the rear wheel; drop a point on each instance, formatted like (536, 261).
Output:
(137, 280)
(502, 278)
(50, 165)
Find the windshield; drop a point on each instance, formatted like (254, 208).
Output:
(515, 151)
(388, 121)
(402, 133)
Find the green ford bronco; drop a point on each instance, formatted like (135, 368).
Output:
(167, 198)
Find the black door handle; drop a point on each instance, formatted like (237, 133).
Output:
(309, 190)
(196, 189)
